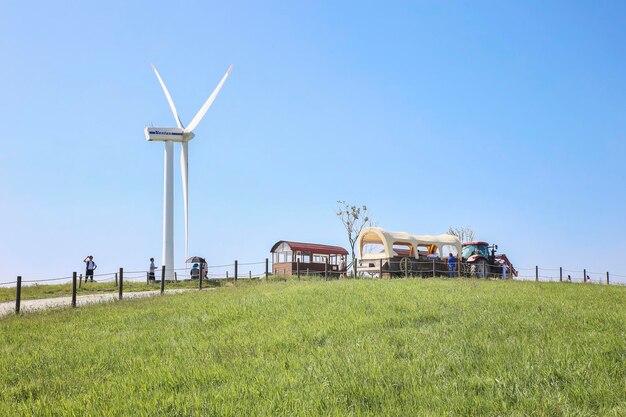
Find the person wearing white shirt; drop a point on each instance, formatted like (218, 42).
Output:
(152, 269)
(90, 267)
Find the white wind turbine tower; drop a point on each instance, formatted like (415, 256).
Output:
(169, 136)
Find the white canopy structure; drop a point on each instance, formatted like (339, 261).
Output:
(411, 244)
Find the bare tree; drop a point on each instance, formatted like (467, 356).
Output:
(354, 219)
(465, 234)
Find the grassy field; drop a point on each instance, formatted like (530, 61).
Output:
(367, 347)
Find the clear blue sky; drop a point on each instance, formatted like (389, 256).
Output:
(507, 116)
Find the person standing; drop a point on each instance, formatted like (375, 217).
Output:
(152, 269)
(342, 267)
(205, 270)
(452, 266)
(90, 266)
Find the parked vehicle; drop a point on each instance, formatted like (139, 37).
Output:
(480, 260)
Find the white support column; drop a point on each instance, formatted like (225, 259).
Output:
(168, 210)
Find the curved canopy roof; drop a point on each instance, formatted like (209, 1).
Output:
(311, 247)
(388, 239)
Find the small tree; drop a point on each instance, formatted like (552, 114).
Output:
(465, 234)
(354, 219)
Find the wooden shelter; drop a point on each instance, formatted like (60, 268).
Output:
(311, 258)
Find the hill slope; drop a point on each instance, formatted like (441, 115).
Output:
(390, 347)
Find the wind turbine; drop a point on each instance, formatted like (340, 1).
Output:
(169, 135)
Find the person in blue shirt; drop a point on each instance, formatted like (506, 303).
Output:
(195, 271)
(452, 266)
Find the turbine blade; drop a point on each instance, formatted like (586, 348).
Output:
(169, 98)
(184, 164)
(207, 104)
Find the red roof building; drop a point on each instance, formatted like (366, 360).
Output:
(291, 258)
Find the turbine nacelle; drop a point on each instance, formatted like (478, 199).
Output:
(167, 134)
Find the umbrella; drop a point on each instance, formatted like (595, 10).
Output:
(195, 259)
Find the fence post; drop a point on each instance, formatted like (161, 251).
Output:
(380, 269)
(116, 284)
(73, 289)
(236, 270)
(147, 277)
(267, 269)
(121, 283)
(607, 277)
(200, 276)
(18, 295)
(298, 268)
(536, 273)
(585, 275)
(80, 281)
(433, 268)
(560, 274)
(175, 276)
(163, 279)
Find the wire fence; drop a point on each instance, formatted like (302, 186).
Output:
(212, 275)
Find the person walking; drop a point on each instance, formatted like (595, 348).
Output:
(152, 269)
(90, 266)
(452, 266)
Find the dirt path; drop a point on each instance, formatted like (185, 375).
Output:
(58, 302)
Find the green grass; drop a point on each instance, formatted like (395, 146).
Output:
(365, 347)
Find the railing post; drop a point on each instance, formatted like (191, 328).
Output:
(73, 289)
(560, 274)
(434, 273)
(200, 277)
(267, 269)
(536, 273)
(163, 279)
(607, 277)
(121, 283)
(18, 295)
(298, 268)
(380, 269)
(326, 269)
(585, 275)
(236, 270)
